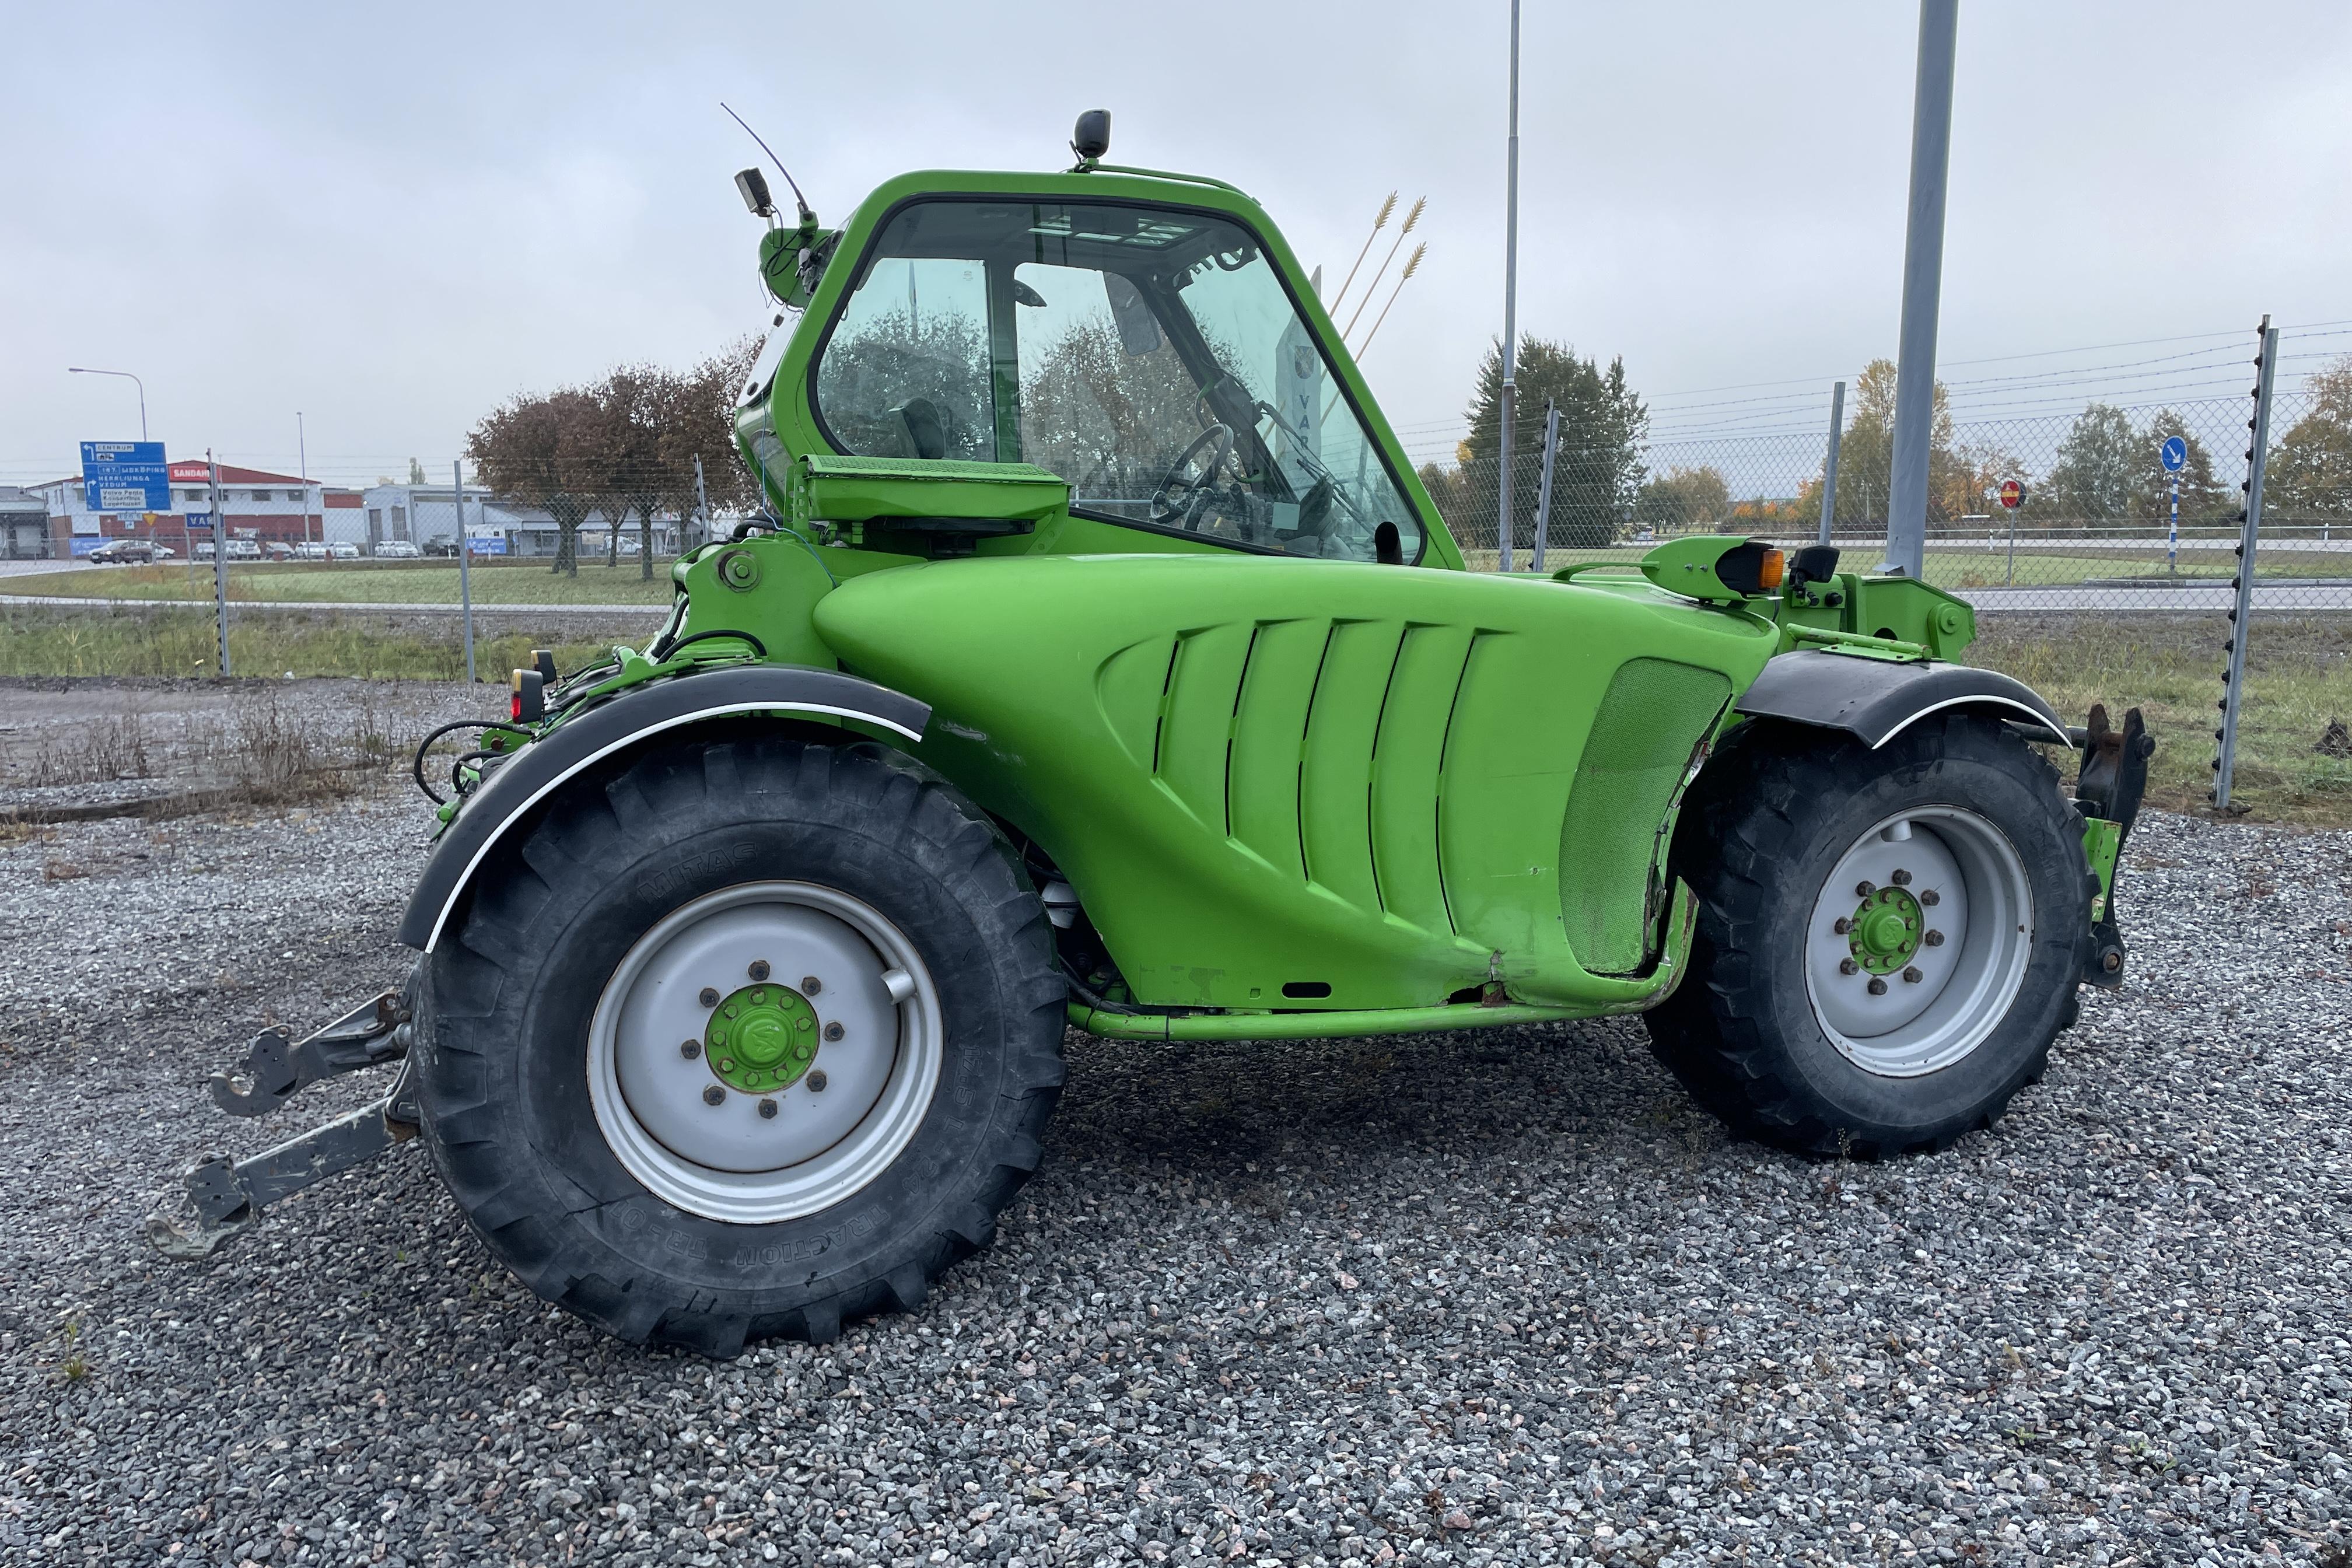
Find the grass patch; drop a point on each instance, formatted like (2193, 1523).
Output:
(48, 640)
(494, 584)
(2298, 679)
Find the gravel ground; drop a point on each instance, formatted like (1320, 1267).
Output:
(1473, 1299)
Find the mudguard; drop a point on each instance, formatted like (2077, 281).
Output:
(526, 778)
(1875, 700)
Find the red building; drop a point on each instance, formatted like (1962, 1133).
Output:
(261, 506)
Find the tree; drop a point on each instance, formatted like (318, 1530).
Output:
(1684, 500)
(2099, 471)
(541, 449)
(1596, 474)
(2309, 476)
(1107, 420)
(700, 424)
(2203, 498)
(1866, 460)
(874, 367)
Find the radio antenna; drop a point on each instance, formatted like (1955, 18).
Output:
(806, 215)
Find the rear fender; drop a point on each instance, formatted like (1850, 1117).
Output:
(531, 775)
(1875, 700)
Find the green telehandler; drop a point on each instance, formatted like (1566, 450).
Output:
(1097, 660)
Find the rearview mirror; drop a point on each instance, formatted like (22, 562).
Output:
(1139, 329)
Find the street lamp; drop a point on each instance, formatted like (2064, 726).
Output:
(77, 370)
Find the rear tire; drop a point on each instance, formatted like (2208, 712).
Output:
(636, 1165)
(1830, 1019)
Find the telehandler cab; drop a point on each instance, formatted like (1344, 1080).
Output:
(1098, 661)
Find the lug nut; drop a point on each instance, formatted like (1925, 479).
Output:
(1877, 985)
(714, 1095)
(834, 1031)
(726, 1064)
(689, 1049)
(816, 1082)
(1912, 976)
(1864, 887)
(768, 1109)
(1931, 898)
(709, 998)
(1848, 966)
(811, 986)
(1934, 939)
(2113, 963)
(1840, 925)
(1901, 879)
(759, 969)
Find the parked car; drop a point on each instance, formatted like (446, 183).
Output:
(244, 550)
(312, 550)
(116, 551)
(395, 550)
(344, 551)
(441, 544)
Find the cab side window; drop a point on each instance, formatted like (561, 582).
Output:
(906, 374)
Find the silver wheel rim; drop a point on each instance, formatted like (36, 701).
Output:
(758, 1157)
(1967, 886)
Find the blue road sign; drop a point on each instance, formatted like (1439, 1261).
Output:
(200, 520)
(2175, 453)
(125, 475)
(486, 544)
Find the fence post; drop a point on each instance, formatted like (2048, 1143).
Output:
(220, 559)
(2241, 613)
(1829, 463)
(465, 556)
(701, 509)
(1543, 490)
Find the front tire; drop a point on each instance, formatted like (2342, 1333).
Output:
(1887, 940)
(740, 1039)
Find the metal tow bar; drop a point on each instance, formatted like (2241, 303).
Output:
(2108, 791)
(229, 1196)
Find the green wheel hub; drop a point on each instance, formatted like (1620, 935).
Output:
(761, 1038)
(1884, 928)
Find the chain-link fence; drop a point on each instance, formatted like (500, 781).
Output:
(2113, 579)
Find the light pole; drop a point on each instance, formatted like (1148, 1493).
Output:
(79, 370)
(1923, 282)
(302, 446)
(1509, 395)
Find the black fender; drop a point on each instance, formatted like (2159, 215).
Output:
(1875, 700)
(521, 781)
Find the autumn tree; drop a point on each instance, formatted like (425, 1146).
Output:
(1955, 477)
(541, 450)
(2309, 476)
(1684, 499)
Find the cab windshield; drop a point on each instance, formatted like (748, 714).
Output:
(1150, 356)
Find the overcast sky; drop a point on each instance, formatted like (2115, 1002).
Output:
(391, 217)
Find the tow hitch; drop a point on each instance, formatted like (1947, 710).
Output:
(229, 1196)
(2107, 792)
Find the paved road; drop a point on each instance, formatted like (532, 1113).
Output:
(27, 568)
(367, 607)
(2304, 596)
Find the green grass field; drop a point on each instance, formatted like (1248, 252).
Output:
(357, 582)
(2047, 567)
(2298, 677)
(40, 640)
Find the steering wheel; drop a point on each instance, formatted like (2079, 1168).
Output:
(1176, 500)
